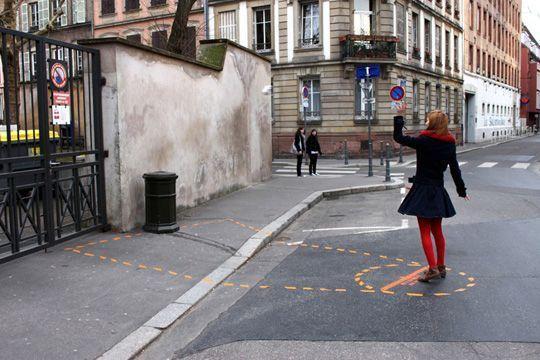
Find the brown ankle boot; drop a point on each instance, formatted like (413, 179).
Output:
(442, 270)
(429, 274)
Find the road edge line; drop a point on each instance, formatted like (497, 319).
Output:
(142, 337)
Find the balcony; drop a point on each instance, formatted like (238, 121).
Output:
(368, 48)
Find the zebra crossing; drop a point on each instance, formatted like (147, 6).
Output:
(488, 165)
(289, 170)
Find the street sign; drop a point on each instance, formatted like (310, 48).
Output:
(305, 96)
(368, 71)
(397, 93)
(58, 75)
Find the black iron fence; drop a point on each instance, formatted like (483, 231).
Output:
(51, 144)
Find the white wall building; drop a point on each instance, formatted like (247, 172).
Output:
(491, 109)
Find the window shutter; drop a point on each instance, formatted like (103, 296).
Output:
(79, 11)
(43, 13)
(24, 17)
(63, 18)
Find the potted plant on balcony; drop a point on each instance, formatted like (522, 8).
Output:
(427, 56)
(448, 7)
(439, 3)
(438, 61)
(456, 13)
(416, 52)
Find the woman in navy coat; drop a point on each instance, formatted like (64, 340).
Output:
(428, 199)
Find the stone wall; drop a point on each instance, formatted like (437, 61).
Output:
(210, 124)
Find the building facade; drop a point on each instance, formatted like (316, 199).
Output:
(143, 21)
(74, 23)
(321, 43)
(530, 79)
(492, 68)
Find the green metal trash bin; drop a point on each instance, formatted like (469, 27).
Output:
(160, 202)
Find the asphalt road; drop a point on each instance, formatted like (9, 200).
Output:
(340, 282)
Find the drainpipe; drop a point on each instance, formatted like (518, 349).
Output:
(206, 19)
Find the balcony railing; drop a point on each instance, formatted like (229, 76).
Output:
(369, 47)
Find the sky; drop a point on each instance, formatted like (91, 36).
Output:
(531, 17)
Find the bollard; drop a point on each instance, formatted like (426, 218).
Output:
(400, 154)
(387, 177)
(382, 152)
(345, 152)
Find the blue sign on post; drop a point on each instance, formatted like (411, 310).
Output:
(368, 71)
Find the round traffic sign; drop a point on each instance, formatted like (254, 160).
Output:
(305, 92)
(58, 75)
(525, 100)
(397, 93)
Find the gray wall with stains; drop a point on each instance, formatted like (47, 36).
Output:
(211, 127)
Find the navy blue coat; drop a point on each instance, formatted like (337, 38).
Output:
(434, 154)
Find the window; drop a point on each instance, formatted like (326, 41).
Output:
(447, 101)
(310, 24)
(159, 39)
(483, 108)
(132, 5)
(227, 25)
(416, 100)
(364, 21)
(107, 7)
(447, 49)
(79, 62)
(400, 27)
(415, 42)
(314, 98)
(262, 33)
(54, 10)
(34, 16)
(456, 53)
(427, 98)
(478, 60)
(427, 36)
(158, 2)
(136, 38)
(471, 14)
(457, 106)
(438, 44)
(479, 20)
(438, 96)
(361, 108)
(471, 57)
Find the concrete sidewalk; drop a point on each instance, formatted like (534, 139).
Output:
(83, 297)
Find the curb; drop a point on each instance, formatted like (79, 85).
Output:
(139, 339)
(493, 144)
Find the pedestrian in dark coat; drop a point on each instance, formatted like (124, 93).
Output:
(314, 150)
(299, 146)
(428, 199)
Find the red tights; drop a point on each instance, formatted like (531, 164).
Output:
(432, 226)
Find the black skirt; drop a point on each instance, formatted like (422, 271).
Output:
(427, 200)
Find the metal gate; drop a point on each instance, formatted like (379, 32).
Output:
(51, 143)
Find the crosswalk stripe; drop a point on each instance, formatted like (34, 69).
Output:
(321, 176)
(461, 163)
(487, 165)
(321, 168)
(318, 171)
(519, 165)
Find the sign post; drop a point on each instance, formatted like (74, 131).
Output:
(365, 75)
(305, 105)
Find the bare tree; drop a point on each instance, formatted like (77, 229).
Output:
(180, 39)
(8, 19)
